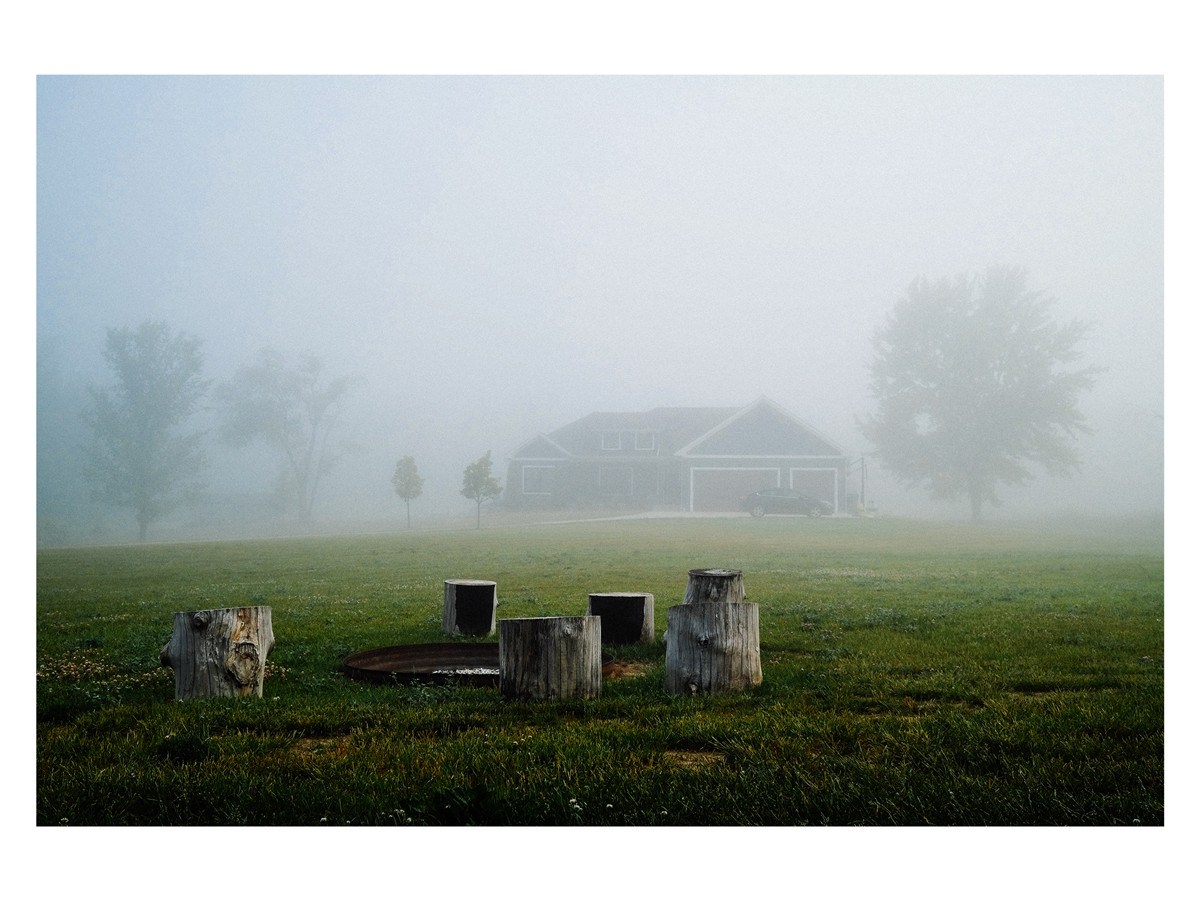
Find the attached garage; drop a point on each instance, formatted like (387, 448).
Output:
(821, 483)
(721, 489)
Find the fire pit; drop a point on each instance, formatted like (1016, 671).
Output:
(473, 665)
(477, 665)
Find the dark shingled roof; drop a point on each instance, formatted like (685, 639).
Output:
(761, 428)
(675, 426)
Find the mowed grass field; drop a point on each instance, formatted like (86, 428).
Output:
(913, 673)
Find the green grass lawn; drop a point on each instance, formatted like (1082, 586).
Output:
(913, 673)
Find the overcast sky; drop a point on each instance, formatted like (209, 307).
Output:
(497, 256)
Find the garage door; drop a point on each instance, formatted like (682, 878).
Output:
(819, 483)
(721, 490)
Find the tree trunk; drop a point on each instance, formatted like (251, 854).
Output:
(712, 648)
(715, 586)
(220, 652)
(469, 607)
(976, 505)
(625, 618)
(552, 658)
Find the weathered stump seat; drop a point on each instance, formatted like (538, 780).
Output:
(625, 617)
(712, 648)
(550, 658)
(469, 607)
(219, 652)
(712, 638)
(715, 586)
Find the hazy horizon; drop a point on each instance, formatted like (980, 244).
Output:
(496, 256)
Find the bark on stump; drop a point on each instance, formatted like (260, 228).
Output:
(625, 618)
(715, 586)
(469, 607)
(219, 652)
(550, 658)
(712, 648)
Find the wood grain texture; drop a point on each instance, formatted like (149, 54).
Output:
(715, 586)
(550, 658)
(712, 648)
(219, 652)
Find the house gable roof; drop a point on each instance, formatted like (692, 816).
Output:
(540, 447)
(762, 429)
(673, 426)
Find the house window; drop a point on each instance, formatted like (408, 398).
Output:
(644, 440)
(537, 479)
(610, 440)
(616, 482)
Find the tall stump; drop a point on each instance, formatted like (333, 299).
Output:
(550, 658)
(219, 652)
(469, 607)
(712, 648)
(715, 586)
(625, 618)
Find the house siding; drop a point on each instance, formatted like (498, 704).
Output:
(702, 459)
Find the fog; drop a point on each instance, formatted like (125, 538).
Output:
(495, 257)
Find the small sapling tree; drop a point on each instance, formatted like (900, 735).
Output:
(479, 484)
(407, 484)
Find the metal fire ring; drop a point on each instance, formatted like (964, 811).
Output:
(473, 665)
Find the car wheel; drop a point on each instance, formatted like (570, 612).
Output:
(758, 511)
(815, 512)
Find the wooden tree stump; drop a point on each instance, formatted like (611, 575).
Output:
(551, 658)
(219, 652)
(715, 586)
(625, 618)
(712, 648)
(470, 607)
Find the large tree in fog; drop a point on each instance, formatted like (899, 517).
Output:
(294, 409)
(138, 456)
(974, 381)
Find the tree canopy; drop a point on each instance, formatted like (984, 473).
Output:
(138, 457)
(973, 381)
(407, 484)
(479, 484)
(292, 408)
